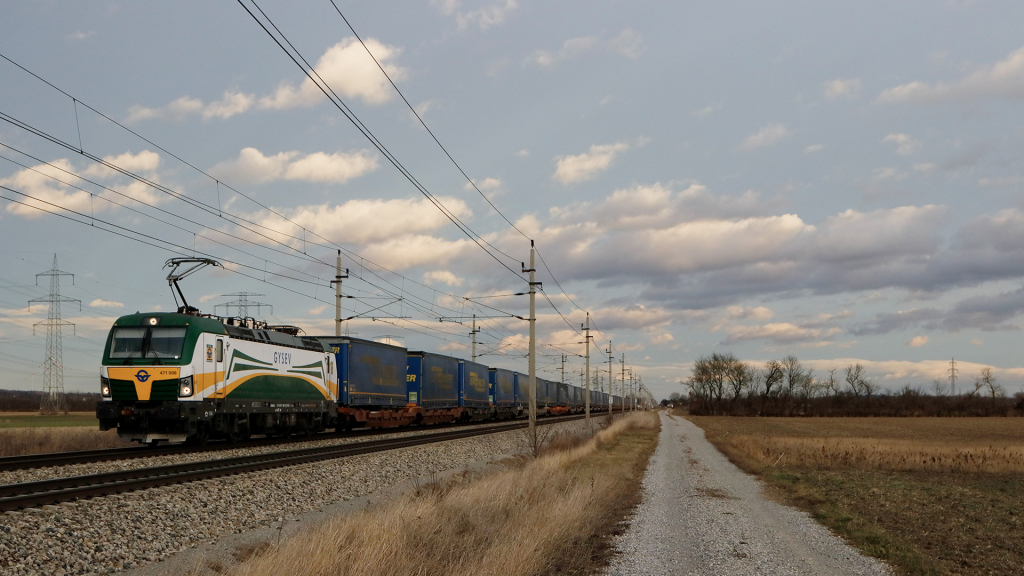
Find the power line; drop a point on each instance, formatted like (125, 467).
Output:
(338, 103)
(401, 293)
(424, 124)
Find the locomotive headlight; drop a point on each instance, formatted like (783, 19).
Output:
(185, 388)
(104, 387)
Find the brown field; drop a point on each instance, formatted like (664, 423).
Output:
(928, 495)
(550, 515)
(42, 440)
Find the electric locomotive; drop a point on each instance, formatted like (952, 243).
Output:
(186, 376)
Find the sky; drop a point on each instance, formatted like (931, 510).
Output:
(838, 181)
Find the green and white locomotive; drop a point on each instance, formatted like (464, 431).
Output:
(186, 376)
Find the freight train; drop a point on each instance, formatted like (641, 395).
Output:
(189, 377)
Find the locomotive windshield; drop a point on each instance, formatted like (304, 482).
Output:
(153, 342)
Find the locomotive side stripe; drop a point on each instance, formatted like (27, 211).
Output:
(234, 385)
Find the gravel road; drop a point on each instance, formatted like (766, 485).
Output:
(702, 515)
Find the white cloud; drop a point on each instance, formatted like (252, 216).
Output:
(766, 136)
(662, 339)
(345, 67)
(918, 341)
(231, 104)
(1004, 79)
(814, 148)
(523, 153)
(777, 332)
(145, 161)
(887, 173)
(739, 312)
(903, 370)
(977, 342)
(207, 297)
(100, 303)
(485, 184)
(365, 220)
(483, 18)
(407, 251)
(706, 111)
(442, 277)
(842, 87)
(570, 49)
(39, 183)
(177, 110)
(905, 145)
(586, 166)
(316, 311)
(253, 166)
(339, 167)
(350, 71)
(629, 43)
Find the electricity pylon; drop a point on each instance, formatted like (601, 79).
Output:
(243, 303)
(53, 400)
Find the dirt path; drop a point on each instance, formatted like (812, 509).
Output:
(702, 515)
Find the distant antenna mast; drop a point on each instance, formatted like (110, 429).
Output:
(952, 377)
(243, 303)
(53, 400)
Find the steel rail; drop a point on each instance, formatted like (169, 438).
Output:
(54, 459)
(30, 494)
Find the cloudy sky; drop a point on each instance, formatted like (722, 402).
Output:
(838, 181)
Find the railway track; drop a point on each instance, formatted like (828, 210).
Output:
(30, 494)
(89, 456)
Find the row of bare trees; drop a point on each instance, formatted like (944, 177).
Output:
(722, 384)
(28, 401)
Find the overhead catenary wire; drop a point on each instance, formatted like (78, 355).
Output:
(338, 103)
(430, 304)
(208, 208)
(424, 124)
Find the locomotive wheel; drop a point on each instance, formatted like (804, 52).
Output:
(202, 435)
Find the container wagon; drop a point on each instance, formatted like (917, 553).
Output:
(503, 393)
(371, 380)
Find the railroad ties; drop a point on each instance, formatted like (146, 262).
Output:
(31, 494)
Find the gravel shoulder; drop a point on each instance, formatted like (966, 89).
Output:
(702, 515)
(129, 531)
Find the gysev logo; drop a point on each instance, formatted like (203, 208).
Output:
(142, 375)
(209, 352)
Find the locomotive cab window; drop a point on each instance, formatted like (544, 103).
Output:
(220, 350)
(154, 342)
(166, 342)
(127, 342)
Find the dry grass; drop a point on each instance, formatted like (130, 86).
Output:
(879, 454)
(21, 441)
(551, 514)
(928, 495)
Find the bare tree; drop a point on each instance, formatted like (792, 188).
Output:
(986, 382)
(829, 383)
(772, 374)
(738, 378)
(859, 385)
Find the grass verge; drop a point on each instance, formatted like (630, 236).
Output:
(928, 496)
(42, 440)
(554, 514)
(35, 420)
